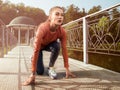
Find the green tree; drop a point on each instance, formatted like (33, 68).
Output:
(9, 11)
(94, 9)
(95, 18)
(73, 13)
(20, 9)
(115, 13)
(1, 2)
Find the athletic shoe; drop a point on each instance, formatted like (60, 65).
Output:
(52, 73)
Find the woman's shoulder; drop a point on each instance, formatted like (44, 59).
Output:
(62, 29)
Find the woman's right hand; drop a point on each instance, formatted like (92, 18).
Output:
(29, 81)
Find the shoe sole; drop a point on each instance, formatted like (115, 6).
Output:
(53, 77)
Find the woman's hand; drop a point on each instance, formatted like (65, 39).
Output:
(29, 81)
(68, 73)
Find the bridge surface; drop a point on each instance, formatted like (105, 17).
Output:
(15, 68)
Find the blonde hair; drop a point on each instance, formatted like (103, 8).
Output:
(53, 8)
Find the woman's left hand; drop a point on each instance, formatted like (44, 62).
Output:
(68, 73)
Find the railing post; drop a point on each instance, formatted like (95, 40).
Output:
(3, 40)
(19, 36)
(85, 41)
(11, 41)
(28, 33)
(7, 45)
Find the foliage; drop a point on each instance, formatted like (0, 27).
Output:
(9, 11)
(103, 23)
(73, 13)
(95, 18)
(94, 9)
(115, 13)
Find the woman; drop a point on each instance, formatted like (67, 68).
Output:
(46, 39)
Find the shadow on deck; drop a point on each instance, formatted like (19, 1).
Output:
(15, 68)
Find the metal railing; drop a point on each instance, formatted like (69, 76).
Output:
(96, 33)
(7, 39)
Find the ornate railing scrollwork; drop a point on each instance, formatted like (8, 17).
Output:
(103, 30)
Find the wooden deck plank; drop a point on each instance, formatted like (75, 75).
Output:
(15, 68)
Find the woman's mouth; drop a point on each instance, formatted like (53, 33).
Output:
(59, 21)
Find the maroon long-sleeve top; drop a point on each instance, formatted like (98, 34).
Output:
(43, 37)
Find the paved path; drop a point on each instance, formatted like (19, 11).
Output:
(15, 68)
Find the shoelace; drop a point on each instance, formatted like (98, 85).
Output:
(53, 71)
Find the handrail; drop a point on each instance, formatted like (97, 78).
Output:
(92, 14)
(101, 34)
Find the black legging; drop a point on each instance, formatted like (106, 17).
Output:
(54, 48)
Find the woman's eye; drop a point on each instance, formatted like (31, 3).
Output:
(62, 14)
(57, 14)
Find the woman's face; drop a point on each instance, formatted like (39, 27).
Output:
(57, 17)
